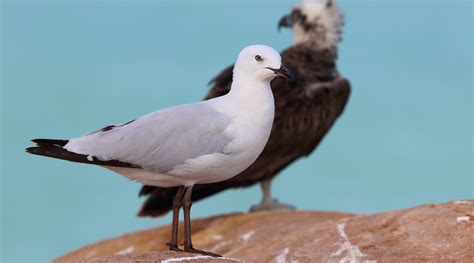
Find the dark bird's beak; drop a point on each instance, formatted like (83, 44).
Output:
(285, 21)
(283, 72)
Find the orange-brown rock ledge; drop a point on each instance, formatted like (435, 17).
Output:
(428, 233)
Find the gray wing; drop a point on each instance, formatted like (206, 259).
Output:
(160, 140)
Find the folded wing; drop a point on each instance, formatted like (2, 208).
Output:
(160, 140)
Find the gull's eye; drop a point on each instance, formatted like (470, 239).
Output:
(258, 58)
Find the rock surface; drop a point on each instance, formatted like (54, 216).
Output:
(428, 233)
(162, 256)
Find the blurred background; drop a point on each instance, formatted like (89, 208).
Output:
(69, 67)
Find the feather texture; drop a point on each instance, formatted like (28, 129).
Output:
(190, 131)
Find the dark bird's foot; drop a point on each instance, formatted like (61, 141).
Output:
(202, 252)
(273, 204)
(268, 203)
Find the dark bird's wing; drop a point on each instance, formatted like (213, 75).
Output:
(305, 110)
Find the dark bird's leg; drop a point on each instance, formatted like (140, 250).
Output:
(188, 244)
(177, 204)
(267, 202)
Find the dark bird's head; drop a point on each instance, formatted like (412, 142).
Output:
(315, 22)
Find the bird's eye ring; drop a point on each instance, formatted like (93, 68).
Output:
(258, 58)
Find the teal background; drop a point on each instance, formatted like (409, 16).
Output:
(74, 66)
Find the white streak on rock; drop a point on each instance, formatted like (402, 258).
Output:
(245, 237)
(462, 202)
(216, 237)
(353, 254)
(462, 219)
(90, 158)
(126, 251)
(193, 258)
(281, 258)
(221, 244)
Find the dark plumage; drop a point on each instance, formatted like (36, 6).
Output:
(305, 110)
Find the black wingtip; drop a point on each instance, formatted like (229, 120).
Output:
(38, 150)
(50, 142)
(53, 149)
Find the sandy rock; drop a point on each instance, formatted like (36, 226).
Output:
(429, 233)
(163, 257)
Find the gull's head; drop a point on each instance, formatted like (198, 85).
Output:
(260, 63)
(315, 22)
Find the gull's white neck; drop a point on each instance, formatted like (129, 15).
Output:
(250, 89)
(251, 95)
(251, 99)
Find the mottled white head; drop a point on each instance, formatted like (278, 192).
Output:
(259, 63)
(315, 22)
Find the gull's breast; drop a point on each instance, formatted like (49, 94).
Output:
(249, 141)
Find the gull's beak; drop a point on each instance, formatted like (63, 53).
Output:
(283, 72)
(285, 21)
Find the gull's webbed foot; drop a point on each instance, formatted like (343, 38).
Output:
(174, 248)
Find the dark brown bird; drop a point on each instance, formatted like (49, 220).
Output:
(305, 109)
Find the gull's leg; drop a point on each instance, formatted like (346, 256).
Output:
(188, 244)
(177, 204)
(267, 202)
